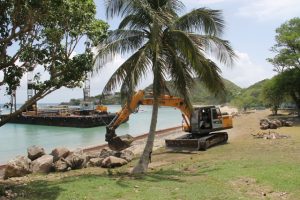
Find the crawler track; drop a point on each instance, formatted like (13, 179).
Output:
(194, 142)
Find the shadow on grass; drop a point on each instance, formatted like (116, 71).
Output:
(35, 190)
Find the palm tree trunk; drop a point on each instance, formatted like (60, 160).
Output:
(144, 161)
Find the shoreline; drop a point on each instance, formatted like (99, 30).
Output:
(160, 132)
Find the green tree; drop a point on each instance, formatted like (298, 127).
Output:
(169, 46)
(287, 60)
(273, 94)
(289, 82)
(46, 33)
(287, 46)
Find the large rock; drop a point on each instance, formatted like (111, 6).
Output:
(95, 162)
(61, 165)
(42, 164)
(76, 161)
(106, 152)
(35, 152)
(127, 155)
(60, 152)
(113, 161)
(20, 166)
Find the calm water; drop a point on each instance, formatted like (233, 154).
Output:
(15, 138)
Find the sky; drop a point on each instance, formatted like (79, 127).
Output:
(250, 28)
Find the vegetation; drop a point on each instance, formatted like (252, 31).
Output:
(287, 59)
(250, 97)
(44, 35)
(287, 47)
(272, 94)
(168, 46)
(199, 95)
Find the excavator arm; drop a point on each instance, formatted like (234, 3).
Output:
(119, 143)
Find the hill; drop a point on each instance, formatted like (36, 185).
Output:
(250, 97)
(199, 95)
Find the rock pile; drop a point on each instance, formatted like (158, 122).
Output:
(62, 159)
(274, 124)
(269, 135)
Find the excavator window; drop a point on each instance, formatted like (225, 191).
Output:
(214, 114)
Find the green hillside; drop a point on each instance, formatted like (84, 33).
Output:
(199, 95)
(250, 97)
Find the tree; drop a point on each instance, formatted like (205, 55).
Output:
(46, 33)
(287, 46)
(289, 81)
(272, 94)
(169, 46)
(287, 60)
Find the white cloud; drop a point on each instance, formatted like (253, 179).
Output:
(201, 3)
(270, 9)
(246, 72)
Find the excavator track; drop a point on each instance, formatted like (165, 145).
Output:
(192, 142)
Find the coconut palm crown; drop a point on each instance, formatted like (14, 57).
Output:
(172, 47)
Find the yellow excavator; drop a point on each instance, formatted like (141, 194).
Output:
(201, 123)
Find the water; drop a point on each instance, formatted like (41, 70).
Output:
(16, 138)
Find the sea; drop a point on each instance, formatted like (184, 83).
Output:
(16, 138)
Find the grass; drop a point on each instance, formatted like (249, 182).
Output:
(246, 168)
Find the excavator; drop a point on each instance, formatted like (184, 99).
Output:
(203, 124)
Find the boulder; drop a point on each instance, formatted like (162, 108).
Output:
(127, 155)
(61, 165)
(95, 162)
(59, 152)
(264, 126)
(76, 161)
(20, 166)
(35, 152)
(273, 126)
(106, 152)
(113, 161)
(42, 164)
(90, 155)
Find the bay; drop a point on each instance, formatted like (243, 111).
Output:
(16, 138)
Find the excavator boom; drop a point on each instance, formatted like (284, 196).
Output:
(122, 142)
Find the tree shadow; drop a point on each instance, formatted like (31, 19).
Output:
(35, 190)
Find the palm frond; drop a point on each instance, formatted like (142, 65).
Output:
(133, 69)
(118, 42)
(201, 20)
(220, 49)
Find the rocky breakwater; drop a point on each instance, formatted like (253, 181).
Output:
(62, 159)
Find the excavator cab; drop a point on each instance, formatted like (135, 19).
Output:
(205, 120)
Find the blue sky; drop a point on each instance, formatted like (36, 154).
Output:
(250, 27)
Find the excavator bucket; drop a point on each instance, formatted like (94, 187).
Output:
(117, 143)
(120, 143)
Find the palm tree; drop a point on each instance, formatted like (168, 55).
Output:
(170, 46)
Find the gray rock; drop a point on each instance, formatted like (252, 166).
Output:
(127, 155)
(106, 152)
(35, 152)
(76, 161)
(20, 166)
(61, 165)
(90, 155)
(60, 152)
(95, 162)
(42, 164)
(113, 161)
